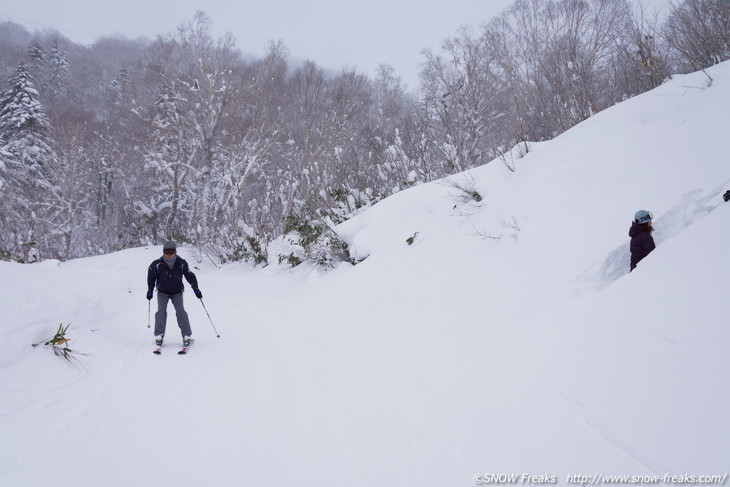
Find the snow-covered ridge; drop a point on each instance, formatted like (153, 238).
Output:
(495, 336)
(651, 151)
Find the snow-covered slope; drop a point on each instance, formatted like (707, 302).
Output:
(507, 337)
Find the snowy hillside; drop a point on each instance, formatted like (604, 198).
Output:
(503, 336)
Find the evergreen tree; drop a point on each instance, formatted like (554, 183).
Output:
(118, 86)
(35, 52)
(28, 163)
(58, 74)
(25, 130)
(36, 55)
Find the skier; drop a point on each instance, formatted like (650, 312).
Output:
(166, 274)
(642, 243)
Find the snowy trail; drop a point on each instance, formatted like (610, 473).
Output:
(291, 390)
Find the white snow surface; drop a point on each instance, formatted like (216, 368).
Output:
(509, 336)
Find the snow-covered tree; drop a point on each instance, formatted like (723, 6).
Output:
(190, 122)
(36, 55)
(25, 140)
(119, 86)
(58, 74)
(463, 101)
(70, 203)
(24, 127)
(171, 156)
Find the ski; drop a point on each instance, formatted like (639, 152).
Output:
(157, 350)
(184, 350)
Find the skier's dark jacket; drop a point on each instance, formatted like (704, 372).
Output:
(169, 281)
(642, 243)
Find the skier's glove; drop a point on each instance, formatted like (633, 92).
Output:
(198, 294)
(149, 294)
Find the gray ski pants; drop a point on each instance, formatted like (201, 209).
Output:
(161, 316)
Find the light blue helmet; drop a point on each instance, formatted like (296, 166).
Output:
(643, 216)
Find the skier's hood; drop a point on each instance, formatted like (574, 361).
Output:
(636, 228)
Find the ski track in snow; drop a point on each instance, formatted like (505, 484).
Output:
(612, 435)
(692, 206)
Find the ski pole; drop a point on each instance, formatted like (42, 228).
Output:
(149, 307)
(211, 321)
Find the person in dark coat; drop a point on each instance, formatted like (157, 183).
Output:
(166, 274)
(642, 243)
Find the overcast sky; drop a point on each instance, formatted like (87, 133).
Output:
(334, 33)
